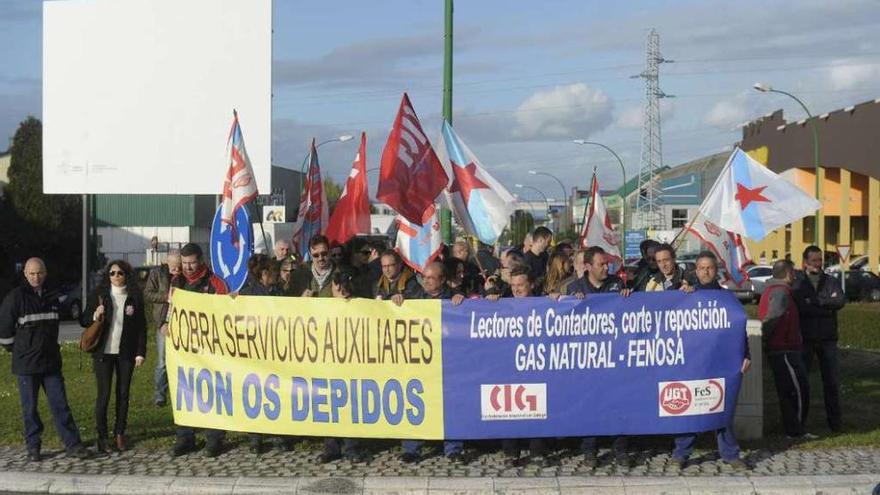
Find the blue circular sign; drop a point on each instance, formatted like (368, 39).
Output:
(229, 255)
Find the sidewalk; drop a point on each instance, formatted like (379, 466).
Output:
(144, 470)
(18, 482)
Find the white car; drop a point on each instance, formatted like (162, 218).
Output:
(751, 289)
(857, 264)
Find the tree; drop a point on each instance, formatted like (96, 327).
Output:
(37, 224)
(521, 223)
(333, 192)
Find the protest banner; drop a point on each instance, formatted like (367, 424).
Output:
(656, 363)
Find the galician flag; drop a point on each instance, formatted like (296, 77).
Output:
(728, 247)
(598, 230)
(417, 244)
(481, 204)
(750, 200)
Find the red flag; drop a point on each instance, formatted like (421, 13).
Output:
(411, 175)
(352, 213)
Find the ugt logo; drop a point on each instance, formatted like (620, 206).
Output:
(513, 401)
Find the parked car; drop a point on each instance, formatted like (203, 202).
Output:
(857, 264)
(758, 277)
(863, 286)
(71, 300)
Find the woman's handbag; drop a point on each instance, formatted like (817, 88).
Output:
(88, 340)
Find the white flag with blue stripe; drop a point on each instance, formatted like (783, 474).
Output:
(751, 200)
(482, 206)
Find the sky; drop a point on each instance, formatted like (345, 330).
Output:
(529, 76)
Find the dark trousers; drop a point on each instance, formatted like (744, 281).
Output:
(619, 444)
(511, 447)
(105, 367)
(187, 434)
(793, 390)
(450, 447)
(53, 384)
(336, 446)
(727, 445)
(826, 352)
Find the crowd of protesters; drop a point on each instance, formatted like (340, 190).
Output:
(798, 312)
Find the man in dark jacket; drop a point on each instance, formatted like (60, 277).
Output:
(706, 274)
(434, 286)
(397, 282)
(313, 279)
(196, 277)
(780, 326)
(29, 329)
(646, 267)
(596, 280)
(156, 291)
(819, 297)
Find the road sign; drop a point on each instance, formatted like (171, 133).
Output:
(843, 252)
(229, 256)
(633, 239)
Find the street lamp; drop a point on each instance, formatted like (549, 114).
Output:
(766, 88)
(546, 201)
(564, 194)
(302, 169)
(623, 196)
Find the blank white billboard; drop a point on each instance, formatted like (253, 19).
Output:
(138, 94)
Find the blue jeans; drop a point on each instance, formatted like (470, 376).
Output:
(29, 390)
(727, 446)
(160, 376)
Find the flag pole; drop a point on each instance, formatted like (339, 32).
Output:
(700, 209)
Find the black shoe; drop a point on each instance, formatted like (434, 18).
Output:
(78, 451)
(410, 457)
(103, 447)
(288, 443)
(457, 457)
(327, 457)
(34, 455)
(678, 463)
(160, 402)
(256, 446)
(183, 448)
(621, 460)
(213, 448)
(356, 457)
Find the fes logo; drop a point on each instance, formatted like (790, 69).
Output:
(691, 398)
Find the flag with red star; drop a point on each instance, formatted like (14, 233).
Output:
(417, 244)
(482, 206)
(729, 248)
(750, 200)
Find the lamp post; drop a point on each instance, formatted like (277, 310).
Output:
(766, 88)
(623, 196)
(339, 139)
(569, 216)
(546, 201)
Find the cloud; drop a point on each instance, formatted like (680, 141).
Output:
(729, 113)
(632, 117)
(575, 110)
(847, 74)
(388, 61)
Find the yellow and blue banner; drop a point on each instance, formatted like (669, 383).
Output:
(648, 364)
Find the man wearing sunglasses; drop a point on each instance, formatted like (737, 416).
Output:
(313, 278)
(396, 283)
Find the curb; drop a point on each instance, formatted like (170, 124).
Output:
(25, 482)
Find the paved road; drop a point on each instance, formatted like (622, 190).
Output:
(69, 331)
